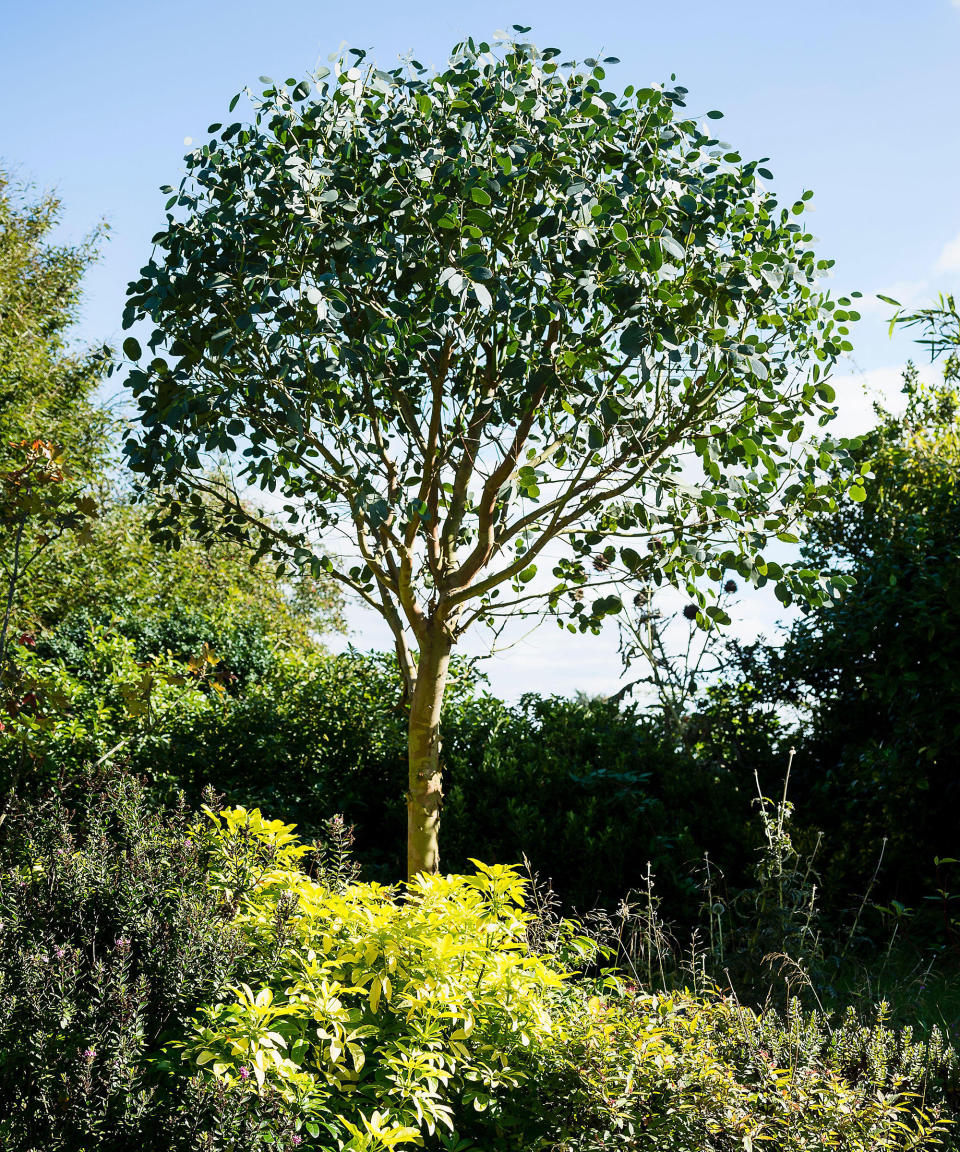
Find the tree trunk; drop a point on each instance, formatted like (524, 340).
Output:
(425, 795)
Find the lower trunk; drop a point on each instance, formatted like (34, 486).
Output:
(425, 794)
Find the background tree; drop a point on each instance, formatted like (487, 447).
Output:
(478, 323)
(74, 552)
(52, 431)
(204, 593)
(47, 385)
(58, 446)
(872, 678)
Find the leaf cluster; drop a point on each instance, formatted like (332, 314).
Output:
(382, 1016)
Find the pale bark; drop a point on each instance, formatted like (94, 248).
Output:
(425, 795)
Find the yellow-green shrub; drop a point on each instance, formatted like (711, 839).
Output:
(382, 1015)
(419, 1015)
(685, 1073)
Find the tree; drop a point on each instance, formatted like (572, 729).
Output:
(46, 386)
(476, 323)
(73, 552)
(873, 677)
(58, 445)
(52, 431)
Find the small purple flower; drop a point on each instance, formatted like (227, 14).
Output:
(244, 1073)
(89, 1054)
(295, 1140)
(122, 944)
(59, 952)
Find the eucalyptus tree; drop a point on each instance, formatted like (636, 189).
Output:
(480, 322)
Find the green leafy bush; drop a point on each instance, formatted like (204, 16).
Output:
(692, 1074)
(110, 936)
(170, 602)
(112, 705)
(587, 789)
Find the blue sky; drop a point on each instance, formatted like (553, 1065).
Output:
(857, 99)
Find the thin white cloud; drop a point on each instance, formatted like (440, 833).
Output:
(856, 395)
(910, 293)
(949, 260)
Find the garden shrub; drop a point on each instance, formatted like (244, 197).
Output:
(421, 1015)
(244, 648)
(684, 1073)
(203, 984)
(381, 1015)
(110, 937)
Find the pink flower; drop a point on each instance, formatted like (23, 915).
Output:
(89, 1053)
(244, 1073)
(295, 1140)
